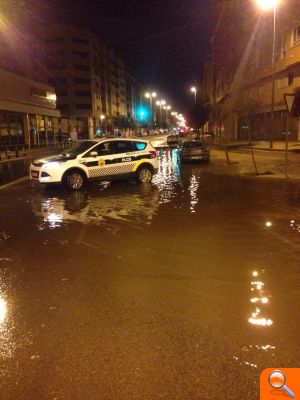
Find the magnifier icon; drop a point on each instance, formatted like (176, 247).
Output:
(277, 380)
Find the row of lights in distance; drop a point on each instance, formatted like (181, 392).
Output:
(159, 103)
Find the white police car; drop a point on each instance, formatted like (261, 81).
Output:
(98, 159)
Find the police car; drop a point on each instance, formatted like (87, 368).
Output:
(98, 159)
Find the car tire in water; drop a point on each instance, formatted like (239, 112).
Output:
(144, 174)
(74, 180)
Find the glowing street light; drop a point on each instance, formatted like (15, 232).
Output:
(194, 90)
(102, 118)
(271, 5)
(267, 4)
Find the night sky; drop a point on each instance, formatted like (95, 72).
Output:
(164, 43)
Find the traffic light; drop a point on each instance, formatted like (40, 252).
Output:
(143, 114)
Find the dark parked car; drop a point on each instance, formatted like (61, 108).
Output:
(173, 140)
(194, 150)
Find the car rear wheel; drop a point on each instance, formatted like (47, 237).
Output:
(74, 180)
(144, 174)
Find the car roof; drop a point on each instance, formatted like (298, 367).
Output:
(193, 142)
(99, 140)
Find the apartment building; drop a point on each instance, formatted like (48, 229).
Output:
(90, 79)
(134, 97)
(243, 68)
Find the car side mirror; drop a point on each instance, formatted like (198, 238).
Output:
(94, 154)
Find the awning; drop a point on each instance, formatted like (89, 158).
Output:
(25, 108)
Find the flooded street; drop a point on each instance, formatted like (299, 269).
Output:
(184, 289)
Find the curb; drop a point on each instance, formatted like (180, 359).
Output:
(15, 182)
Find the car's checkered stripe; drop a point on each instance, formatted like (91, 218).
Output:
(111, 170)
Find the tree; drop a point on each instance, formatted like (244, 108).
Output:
(245, 107)
(199, 113)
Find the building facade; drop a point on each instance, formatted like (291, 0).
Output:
(134, 96)
(28, 114)
(245, 69)
(89, 78)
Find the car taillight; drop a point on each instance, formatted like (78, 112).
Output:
(153, 153)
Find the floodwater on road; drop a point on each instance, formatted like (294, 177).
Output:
(184, 289)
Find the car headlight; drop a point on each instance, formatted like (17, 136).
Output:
(53, 164)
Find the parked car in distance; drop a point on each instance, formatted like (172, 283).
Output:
(194, 150)
(173, 140)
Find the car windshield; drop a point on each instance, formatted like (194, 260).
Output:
(193, 144)
(79, 148)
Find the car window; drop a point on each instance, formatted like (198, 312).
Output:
(78, 148)
(103, 149)
(123, 146)
(192, 144)
(139, 146)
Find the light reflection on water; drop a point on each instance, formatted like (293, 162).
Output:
(193, 188)
(3, 310)
(7, 344)
(261, 298)
(97, 206)
(168, 176)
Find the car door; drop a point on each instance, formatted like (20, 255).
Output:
(124, 156)
(99, 160)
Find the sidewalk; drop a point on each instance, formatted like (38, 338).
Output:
(29, 154)
(270, 165)
(262, 145)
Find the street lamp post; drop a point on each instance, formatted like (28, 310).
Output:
(151, 96)
(271, 5)
(194, 90)
(102, 118)
(167, 108)
(160, 103)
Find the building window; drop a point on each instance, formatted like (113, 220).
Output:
(61, 93)
(81, 67)
(283, 83)
(82, 81)
(283, 47)
(56, 67)
(79, 40)
(57, 39)
(38, 92)
(82, 93)
(54, 81)
(296, 34)
(83, 106)
(81, 54)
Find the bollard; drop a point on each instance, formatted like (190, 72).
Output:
(8, 154)
(23, 152)
(17, 153)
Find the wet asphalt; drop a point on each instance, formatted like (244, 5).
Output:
(183, 289)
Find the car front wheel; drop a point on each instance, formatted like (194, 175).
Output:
(74, 180)
(144, 174)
